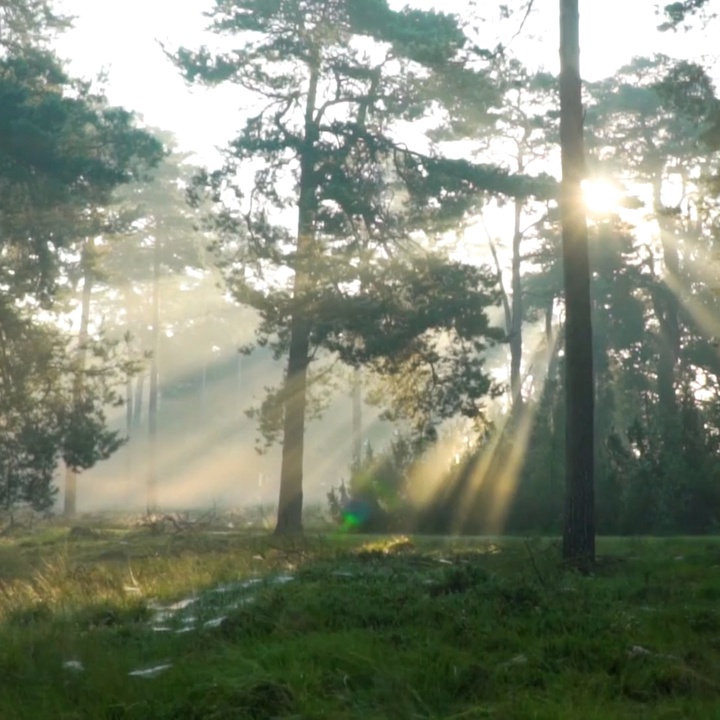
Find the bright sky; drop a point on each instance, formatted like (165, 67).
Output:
(120, 36)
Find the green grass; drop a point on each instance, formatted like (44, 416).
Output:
(367, 628)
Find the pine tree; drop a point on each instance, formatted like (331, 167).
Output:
(63, 151)
(579, 528)
(335, 79)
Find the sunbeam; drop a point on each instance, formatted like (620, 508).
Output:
(480, 489)
(706, 320)
(703, 268)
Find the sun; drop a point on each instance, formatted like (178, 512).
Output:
(601, 196)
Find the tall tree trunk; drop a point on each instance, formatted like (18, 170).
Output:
(357, 441)
(128, 406)
(139, 396)
(516, 313)
(289, 519)
(70, 499)
(549, 309)
(153, 399)
(128, 429)
(507, 307)
(553, 342)
(513, 305)
(579, 526)
(129, 412)
(203, 391)
(667, 313)
(239, 366)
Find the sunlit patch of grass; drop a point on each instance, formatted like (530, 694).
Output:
(387, 546)
(404, 627)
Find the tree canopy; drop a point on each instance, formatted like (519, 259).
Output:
(63, 150)
(335, 81)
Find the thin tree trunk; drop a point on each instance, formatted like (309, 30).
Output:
(70, 500)
(513, 306)
(516, 313)
(203, 391)
(128, 406)
(667, 313)
(507, 308)
(289, 519)
(553, 342)
(128, 429)
(549, 321)
(139, 396)
(153, 399)
(579, 526)
(357, 440)
(239, 366)
(129, 411)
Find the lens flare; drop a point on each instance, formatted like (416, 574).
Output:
(356, 514)
(601, 196)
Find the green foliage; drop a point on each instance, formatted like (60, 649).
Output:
(384, 477)
(366, 288)
(655, 361)
(43, 418)
(63, 150)
(378, 487)
(663, 487)
(677, 12)
(645, 485)
(27, 24)
(653, 113)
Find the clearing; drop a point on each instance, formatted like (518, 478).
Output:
(120, 623)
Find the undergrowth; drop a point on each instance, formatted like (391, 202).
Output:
(344, 628)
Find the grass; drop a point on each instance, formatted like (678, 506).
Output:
(368, 628)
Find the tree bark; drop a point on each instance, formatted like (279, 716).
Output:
(151, 489)
(139, 393)
(203, 391)
(129, 427)
(289, 518)
(553, 342)
(579, 526)
(357, 416)
(516, 313)
(129, 406)
(667, 313)
(70, 499)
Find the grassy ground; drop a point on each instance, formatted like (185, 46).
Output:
(348, 627)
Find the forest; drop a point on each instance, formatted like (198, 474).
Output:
(401, 402)
(368, 290)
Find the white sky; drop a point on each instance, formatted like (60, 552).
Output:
(120, 36)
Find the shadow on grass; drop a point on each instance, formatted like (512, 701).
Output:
(366, 628)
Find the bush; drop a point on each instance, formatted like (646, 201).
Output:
(375, 499)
